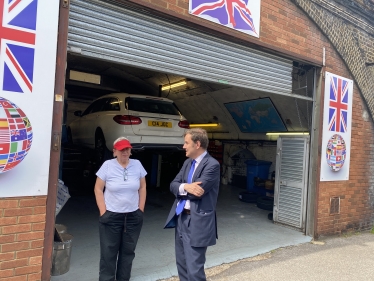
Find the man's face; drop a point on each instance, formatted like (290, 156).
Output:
(190, 147)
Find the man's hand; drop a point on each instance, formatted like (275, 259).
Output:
(194, 188)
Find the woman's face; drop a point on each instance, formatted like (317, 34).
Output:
(123, 154)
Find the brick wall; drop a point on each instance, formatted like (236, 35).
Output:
(351, 35)
(356, 195)
(300, 29)
(22, 223)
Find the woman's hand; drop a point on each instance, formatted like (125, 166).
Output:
(99, 194)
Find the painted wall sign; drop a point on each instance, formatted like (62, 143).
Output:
(28, 39)
(337, 119)
(241, 15)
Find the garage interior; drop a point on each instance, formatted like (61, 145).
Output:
(244, 229)
(247, 93)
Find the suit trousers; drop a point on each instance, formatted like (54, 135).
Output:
(190, 260)
(119, 234)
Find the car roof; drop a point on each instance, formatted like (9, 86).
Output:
(125, 95)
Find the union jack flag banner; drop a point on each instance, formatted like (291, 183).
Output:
(337, 119)
(17, 43)
(241, 15)
(338, 104)
(28, 41)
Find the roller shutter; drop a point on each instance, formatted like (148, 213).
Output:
(109, 32)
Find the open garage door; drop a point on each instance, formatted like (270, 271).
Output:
(108, 32)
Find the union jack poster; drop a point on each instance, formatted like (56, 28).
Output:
(241, 15)
(337, 120)
(18, 37)
(28, 40)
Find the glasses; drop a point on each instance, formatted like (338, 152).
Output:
(125, 175)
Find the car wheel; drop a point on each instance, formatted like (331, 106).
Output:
(265, 203)
(100, 148)
(247, 196)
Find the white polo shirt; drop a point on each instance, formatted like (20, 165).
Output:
(121, 196)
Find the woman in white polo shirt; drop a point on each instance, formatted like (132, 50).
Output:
(121, 208)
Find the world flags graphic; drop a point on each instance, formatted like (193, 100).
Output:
(15, 135)
(336, 152)
(338, 104)
(17, 44)
(231, 13)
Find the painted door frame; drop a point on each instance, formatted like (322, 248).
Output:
(58, 105)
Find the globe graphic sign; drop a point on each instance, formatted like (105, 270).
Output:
(336, 152)
(15, 135)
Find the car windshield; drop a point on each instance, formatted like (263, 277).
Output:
(152, 106)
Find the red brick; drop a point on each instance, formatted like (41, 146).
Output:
(15, 246)
(15, 278)
(6, 256)
(16, 228)
(39, 210)
(30, 253)
(35, 260)
(37, 201)
(160, 3)
(28, 269)
(7, 238)
(30, 236)
(38, 226)
(32, 218)
(18, 212)
(8, 203)
(8, 221)
(37, 244)
(34, 277)
(14, 263)
(175, 8)
(6, 273)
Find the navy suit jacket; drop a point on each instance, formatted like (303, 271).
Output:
(203, 224)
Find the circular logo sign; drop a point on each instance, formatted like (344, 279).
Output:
(336, 152)
(15, 135)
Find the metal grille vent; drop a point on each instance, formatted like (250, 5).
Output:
(334, 205)
(290, 205)
(292, 160)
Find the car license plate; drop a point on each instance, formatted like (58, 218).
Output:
(160, 124)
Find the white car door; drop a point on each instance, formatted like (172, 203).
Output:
(88, 123)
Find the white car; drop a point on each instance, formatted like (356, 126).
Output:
(147, 121)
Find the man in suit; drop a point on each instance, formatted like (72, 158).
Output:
(194, 210)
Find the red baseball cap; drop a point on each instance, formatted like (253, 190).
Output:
(122, 144)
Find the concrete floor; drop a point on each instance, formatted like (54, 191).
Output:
(243, 229)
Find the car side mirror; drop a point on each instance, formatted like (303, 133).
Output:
(78, 113)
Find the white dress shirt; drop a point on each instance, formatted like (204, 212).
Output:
(181, 187)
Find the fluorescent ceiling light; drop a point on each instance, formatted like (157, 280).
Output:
(204, 125)
(84, 77)
(288, 133)
(173, 85)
